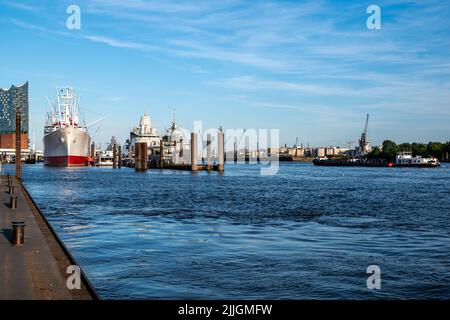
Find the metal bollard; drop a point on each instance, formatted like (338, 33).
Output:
(13, 202)
(11, 189)
(18, 233)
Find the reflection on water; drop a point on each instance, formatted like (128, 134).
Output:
(305, 233)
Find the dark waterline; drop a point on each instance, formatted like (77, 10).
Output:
(306, 233)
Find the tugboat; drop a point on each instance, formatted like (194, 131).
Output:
(106, 158)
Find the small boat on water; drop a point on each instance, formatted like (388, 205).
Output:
(105, 159)
(406, 159)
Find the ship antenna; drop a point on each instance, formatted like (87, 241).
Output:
(78, 104)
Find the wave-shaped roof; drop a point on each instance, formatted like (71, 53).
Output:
(13, 86)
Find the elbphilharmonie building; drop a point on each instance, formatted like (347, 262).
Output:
(12, 99)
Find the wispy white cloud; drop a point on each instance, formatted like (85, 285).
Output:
(196, 50)
(155, 6)
(26, 25)
(312, 50)
(22, 6)
(116, 42)
(289, 50)
(229, 31)
(249, 83)
(38, 28)
(417, 97)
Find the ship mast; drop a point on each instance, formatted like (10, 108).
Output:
(64, 109)
(59, 107)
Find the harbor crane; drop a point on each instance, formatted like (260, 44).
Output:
(364, 144)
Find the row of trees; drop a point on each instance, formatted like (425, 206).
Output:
(390, 149)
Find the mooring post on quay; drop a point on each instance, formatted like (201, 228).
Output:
(13, 202)
(18, 237)
(11, 189)
(208, 152)
(194, 165)
(220, 151)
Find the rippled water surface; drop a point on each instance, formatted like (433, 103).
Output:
(306, 233)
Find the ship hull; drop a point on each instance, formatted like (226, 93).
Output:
(66, 147)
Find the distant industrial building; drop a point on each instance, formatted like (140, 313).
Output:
(299, 153)
(13, 99)
(319, 152)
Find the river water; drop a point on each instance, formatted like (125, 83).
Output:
(305, 233)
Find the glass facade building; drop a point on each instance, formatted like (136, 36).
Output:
(10, 100)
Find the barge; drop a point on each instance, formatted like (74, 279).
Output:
(402, 160)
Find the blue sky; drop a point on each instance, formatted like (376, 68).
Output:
(310, 68)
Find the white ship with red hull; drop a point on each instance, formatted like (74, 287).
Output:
(66, 141)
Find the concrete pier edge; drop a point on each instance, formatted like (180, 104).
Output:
(89, 287)
(59, 258)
